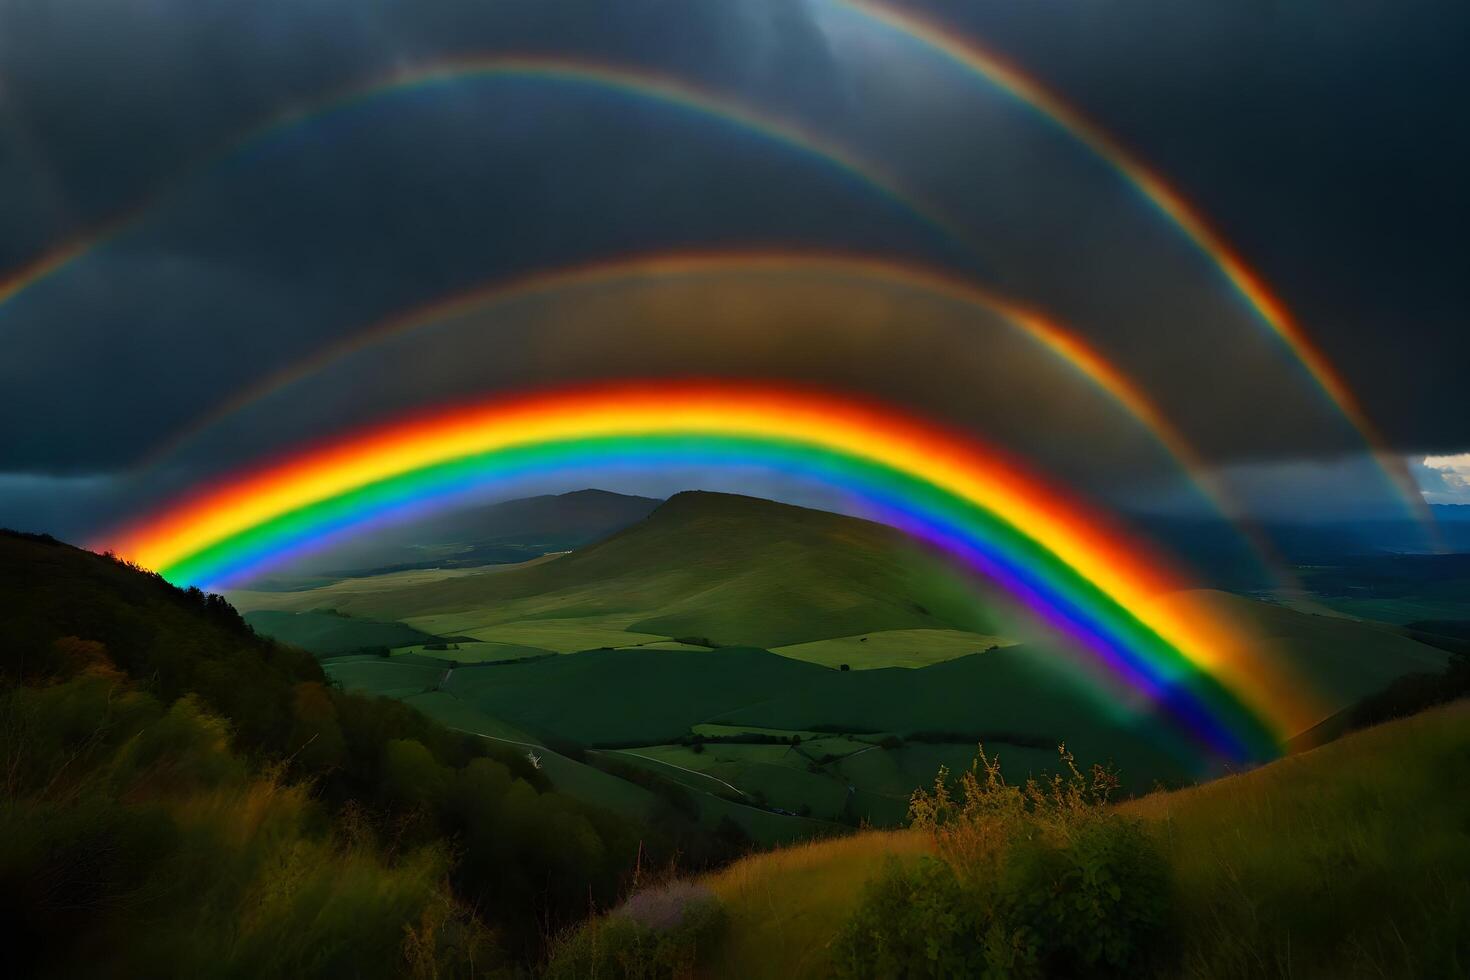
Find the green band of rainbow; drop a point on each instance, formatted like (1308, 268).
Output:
(1120, 639)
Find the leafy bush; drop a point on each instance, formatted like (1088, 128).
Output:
(1036, 880)
(657, 935)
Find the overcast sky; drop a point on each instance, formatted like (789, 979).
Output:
(1326, 140)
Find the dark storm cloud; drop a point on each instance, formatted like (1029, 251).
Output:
(1327, 140)
(1327, 144)
(381, 207)
(104, 101)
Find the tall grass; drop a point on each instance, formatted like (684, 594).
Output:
(1040, 879)
(1352, 860)
(784, 907)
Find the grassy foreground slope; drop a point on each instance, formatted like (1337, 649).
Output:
(1349, 860)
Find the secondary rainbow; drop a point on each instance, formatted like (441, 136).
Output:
(1068, 564)
(624, 80)
(975, 58)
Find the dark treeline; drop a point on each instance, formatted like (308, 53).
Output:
(98, 658)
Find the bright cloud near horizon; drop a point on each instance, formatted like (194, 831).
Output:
(1449, 481)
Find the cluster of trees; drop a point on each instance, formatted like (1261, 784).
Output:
(100, 658)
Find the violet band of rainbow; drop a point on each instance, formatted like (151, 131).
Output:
(1075, 574)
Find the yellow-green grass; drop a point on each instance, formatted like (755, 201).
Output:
(1352, 859)
(561, 635)
(786, 906)
(893, 648)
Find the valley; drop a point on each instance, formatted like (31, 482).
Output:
(793, 670)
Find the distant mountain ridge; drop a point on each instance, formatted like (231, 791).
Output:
(508, 531)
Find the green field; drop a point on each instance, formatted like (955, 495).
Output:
(1394, 588)
(646, 701)
(421, 686)
(560, 635)
(637, 699)
(382, 676)
(708, 567)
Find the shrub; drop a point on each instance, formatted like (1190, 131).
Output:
(656, 934)
(1037, 880)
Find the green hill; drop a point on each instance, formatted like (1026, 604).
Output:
(736, 571)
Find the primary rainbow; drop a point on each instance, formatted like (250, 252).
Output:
(1067, 564)
(1050, 334)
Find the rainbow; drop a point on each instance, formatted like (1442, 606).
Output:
(1048, 334)
(976, 59)
(626, 81)
(1071, 566)
(962, 51)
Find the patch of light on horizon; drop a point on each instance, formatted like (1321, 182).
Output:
(1452, 474)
